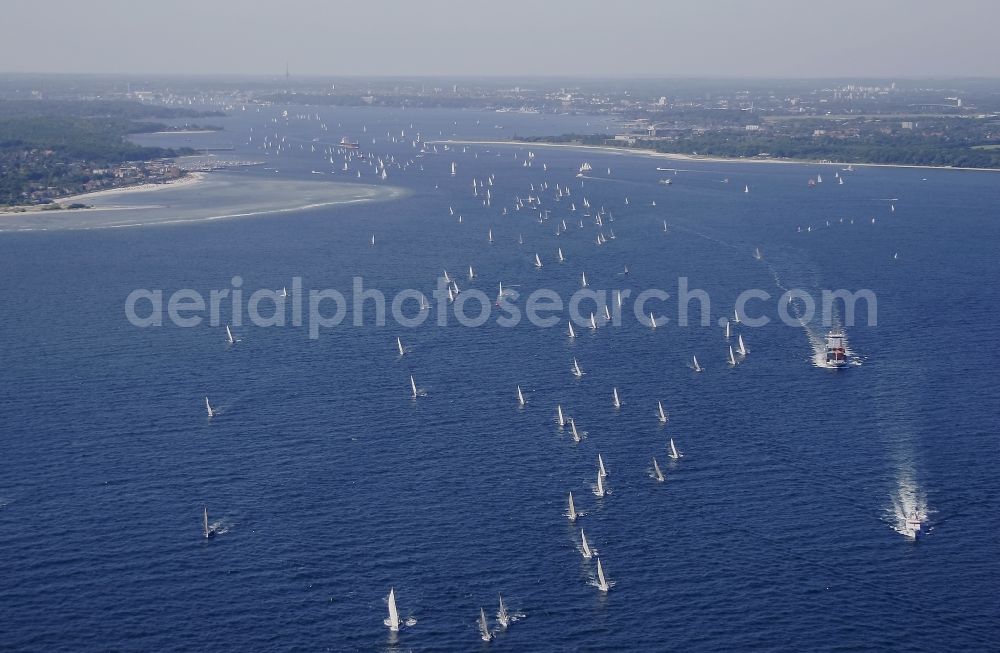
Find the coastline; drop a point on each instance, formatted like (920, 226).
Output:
(671, 156)
(187, 180)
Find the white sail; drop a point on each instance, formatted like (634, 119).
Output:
(584, 546)
(732, 356)
(741, 347)
(373, 240)
(484, 627)
(746, 189)
(571, 511)
(559, 413)
(229, 335)
(662, 415)
(583, 279)
(697, 367)
(599, 489)
(520, 396)
(617, 401)
(561, 259)
(673, 450)
(538, 261)
(393, 620)
(572, 334)
(453, 170)
(652, 320)
(399, 344)
(756, 253)
(607, 313)
(602, 582)
(490, 235)
(657, 472)
(600, 466)
(572, 424)
(593, 322)
(727, 330)
(577, 372)
(208, 532)
(208, 407)
(413, 386)
(503, 617)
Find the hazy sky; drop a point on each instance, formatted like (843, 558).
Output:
(765, 38)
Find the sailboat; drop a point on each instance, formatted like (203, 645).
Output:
(571, 511)
(617, 401)
(490, 235)
(572, 334)
(727, 330)
(736, 316)
(602, 582)
(674, 454)
(572, 425)
(732, 356)
(413, 386)
(561, 259)
(583, 279)
(472, 274)
(660, 414)
(584, 546)
(600, 466)
(229, 336)
(756, 253)
(484, 627)
(453, 170)
(652, 320)
(399, 344)
(577, 372)
(208, 532)
(559, 416)
(599, 488)
(538, 261)
(392, 621)
(520, 397)
(607, 313)
(208, 407)
(694, 364)
(746, 189)
(593, 322)
(503, 617)
(657, 472)
(741, 347)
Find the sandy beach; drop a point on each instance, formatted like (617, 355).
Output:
(697, 158)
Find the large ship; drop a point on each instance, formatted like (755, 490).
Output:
(836, 354)
(346, 143)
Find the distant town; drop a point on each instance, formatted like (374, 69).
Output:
(60, 136)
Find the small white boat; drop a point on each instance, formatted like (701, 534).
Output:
(399, 345)
(599, 488)
(913, 527)
(209, 409)
(571, 510)
(583, 279)
(602, 582)
(600, 467)
(732, 356)
(538, 261)
(559, 416)
(392, 621)
(503, 617)
(520, 397)
(472, 273)
(572, 333)
(652, 320)
(484, 627)
(577, 372)
(728, 334)
(756, 253)
(413, 387)
(229, 336)
(572, 426)
(208, 532)
(454, 171)
(740, 347)
(585, 546)
(616, 400)
(657, 472)
(561, 259)
(373, 240)
(746, 189)
(694, 364)
(674, 454)
(660, 414)
(593, 322)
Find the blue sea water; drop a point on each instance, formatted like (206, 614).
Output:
(328, 484)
